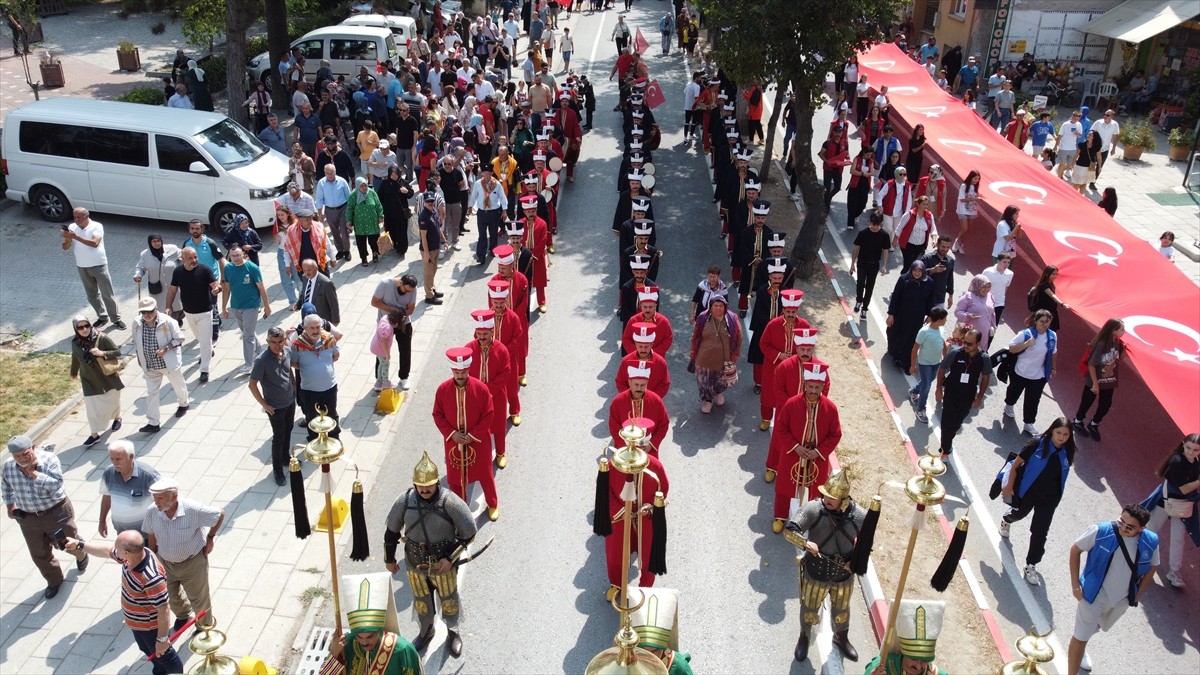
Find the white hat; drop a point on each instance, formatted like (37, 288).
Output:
(484, 318)
(504, 254)
(636, 175)
(761, 207)
(637, 131)
(460, 357)
(776, 266)
(804, 337)
(641, 203)
(753, 184)
(164, 484)
(637, 157)
(745, 155)
(729, 106)
(642, 370)
(918, 626)
(635, 144)
(637, 114)
(498, 288)
(643, 331)
(515, 228)
(639, 261)
(815, 372)
(776, 240)
(384, 145)
(732, 134)
(648, 294)
(542, 137)
(539, 157)
(531, 179)
(791, 297)
(643, 227)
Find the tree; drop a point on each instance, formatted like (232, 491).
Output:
(278, 42)
(239, 16)
(794, 44)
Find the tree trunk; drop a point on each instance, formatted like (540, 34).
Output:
(275, 12)
(764, 171)
(235, 61)
(805, 251)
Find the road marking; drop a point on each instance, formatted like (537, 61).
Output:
(595, 46)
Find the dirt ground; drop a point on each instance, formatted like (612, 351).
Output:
(873, 453)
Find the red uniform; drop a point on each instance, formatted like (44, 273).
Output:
(568, 121)
(511, 333)
(799, 423)
(787, 382)
(518, 303)
(660, 374)
(469, 410)
(664, 336)
(494, 368)
(776, 345)
(537, 238)
(624, 408)
(653, 479)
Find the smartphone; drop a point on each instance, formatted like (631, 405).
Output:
(60, 538)
(66, 226)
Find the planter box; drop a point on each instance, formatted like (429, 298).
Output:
(1178, 153)
(129, 61)
(52, 75)
(34, 34)
(1133, 153)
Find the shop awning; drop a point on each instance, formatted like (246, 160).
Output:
(1138, 20)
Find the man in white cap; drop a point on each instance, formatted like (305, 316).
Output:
(36, 497)
(651, 488)
(778, 344)
(625, 203)
(629, 298)
(492, 365)
(182, 532)
(749, 254)
(807, 430)
(624, 231)
(157, 342)
(462, 411)
(510, 332)
(656, 621)
(918, 625)
(789, 373)
(515, 230)
(642, 230)
(768, 304)
(373, 644)
(648, 313)
(777, 248)
(644, 335)
(537, 238)
(738, 210)
(518, 296)
(639, 402)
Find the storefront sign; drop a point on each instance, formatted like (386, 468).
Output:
(996, 37)
(1017, 47)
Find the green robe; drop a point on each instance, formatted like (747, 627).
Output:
(404, 658)
(893, 666)
(364, 216)
(680, 665)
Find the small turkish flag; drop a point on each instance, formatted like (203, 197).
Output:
(378, 67)
(654, 95)
(639, 42)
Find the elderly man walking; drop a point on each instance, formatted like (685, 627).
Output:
(85, 238)
(176, 531)
(157, 341)
(125, 489)
(36, 497)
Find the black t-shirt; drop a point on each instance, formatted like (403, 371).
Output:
(871, 246)
(194, 288)
(1180, 471)
(405, 128)
(958, 362)
(427, 222)
(453, 186)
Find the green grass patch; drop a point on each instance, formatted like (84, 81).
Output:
(32, 385)
(314, 592)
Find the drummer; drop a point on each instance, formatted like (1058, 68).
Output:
(625, 233)
(637, 103)
(633, 162)
(625, 202)
(536, 184)
(642, 231)
(567, 119)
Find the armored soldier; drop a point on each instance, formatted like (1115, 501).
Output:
(826, 529)
(436, 527)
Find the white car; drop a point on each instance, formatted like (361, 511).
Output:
(404, 28)
(346, 47)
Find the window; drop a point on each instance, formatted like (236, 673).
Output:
(118, 147)
(959, 9)
(230, 144)
(353, 50)
(90, 143)
(59, 140)
(176, 154)
(312, 50)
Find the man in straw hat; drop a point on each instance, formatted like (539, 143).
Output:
(826, 529)
(373, 644)
(656, 621)
(462, 411)
(917, 627)
(436, 526)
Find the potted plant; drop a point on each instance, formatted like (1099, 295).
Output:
(1181, 141)
(128, 57)
(1136, 138)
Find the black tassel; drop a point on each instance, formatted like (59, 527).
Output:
(299, 505)
(360, 549)
(945, 572)
(602, 519)
(866, 539)
(658, 543)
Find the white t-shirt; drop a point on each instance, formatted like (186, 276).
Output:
(690, 93)
(1069, 134)
(1167, 252)
(1000, 283)
(881, 101)
(1115, 589)
(1003, 229)
(862, 89)
(1031, 362)
(1107, 131)
(850, 72)
(87, 256)
(567, 44)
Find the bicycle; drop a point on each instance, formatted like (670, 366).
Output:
(1067, 95)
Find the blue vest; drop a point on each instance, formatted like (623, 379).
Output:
(1101, 556)
(1051, 345)
(1037, 463)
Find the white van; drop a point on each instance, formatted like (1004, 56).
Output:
(139, 160)
(346, 47)
(404, 28)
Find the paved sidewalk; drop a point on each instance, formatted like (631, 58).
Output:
(220, 454)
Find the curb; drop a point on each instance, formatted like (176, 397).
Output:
(43, 426)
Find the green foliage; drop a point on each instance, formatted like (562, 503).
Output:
(144, 95)
(125, 47)
(1191, 106)
(214, 72)
(1138, 135)
(1181, 137)
(203, 21)
(255, 46)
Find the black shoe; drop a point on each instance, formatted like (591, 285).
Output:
(857, 306)
(742, 313)
(433, 301)
(51, 591)
(464, 230)
(364, 262)
(91, 440)
(100, 323)
(119, 324)
(439, 294)
(203, 378)
(801, 652)
(423, 639)
(180, 623)
(758, 388)
(300, 422)
(149, 429)
(454, 644)
(1079, 427)
(181, 411)
(841, 640)
(1094, 431)
(81, 565)
(280, 478)
(116, 425)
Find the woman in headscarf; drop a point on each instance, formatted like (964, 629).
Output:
(92, 353)
(394, 193)
(716, 341)
(156, 265)
(910, 302)
(976, 308)
(364, 212)
(201, 99)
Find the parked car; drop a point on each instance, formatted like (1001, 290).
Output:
(346, 47)
(404, 28)
(139, 160)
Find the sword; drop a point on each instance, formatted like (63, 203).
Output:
(471, 556)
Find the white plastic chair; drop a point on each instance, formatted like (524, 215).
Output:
(1090, 90)
(1107, 93)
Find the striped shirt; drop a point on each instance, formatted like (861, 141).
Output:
(130, 499)
(34, 494)
(181, 537)
(143, 590)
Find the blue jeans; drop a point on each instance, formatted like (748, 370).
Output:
(789, 131)
(288, 277)
(167, 663)
(927, 374)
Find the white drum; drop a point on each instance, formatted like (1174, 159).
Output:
(548, 195)
(648, 169)
(555, 164)
(551, 179)
(648, 182)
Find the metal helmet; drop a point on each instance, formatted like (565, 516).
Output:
(837, 486)
(426, 472)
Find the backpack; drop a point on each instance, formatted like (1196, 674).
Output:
(756, 97)
(1031, 299)
(1082, 366)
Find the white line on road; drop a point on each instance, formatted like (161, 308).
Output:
(595, 46)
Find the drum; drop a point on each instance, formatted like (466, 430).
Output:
(548, 195)
(552, 178)
(648, 182)
(648, 169)
(573, 152)
(654, 139)
(555, 164)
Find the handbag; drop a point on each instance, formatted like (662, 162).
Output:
(730, 373)
(1177, 508)
(388, 402)
(155, 287)
(110, 367)
(384, 244)
(1002, 480)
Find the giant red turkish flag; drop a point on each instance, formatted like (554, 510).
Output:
(1104, 270)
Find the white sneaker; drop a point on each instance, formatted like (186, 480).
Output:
(1032, 576)
(1030, 429)
(404, 384)
(1175, 579)
(379, 385)
(243, 370)
(1009, 412)
(457, 246)
(794, 197)
(1004, 525)
(1085, 663)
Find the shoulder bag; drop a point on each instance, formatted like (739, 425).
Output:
(1175, 507)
